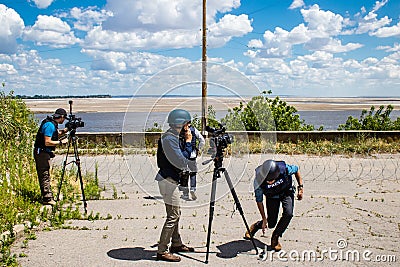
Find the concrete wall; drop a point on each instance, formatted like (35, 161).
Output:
(139, 138)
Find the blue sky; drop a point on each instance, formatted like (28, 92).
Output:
(295, 47)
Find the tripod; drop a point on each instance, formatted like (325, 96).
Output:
(217, 174)
(72, 141)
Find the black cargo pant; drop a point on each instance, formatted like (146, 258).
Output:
(42, 160)
(273, 205)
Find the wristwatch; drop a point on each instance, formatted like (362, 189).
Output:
(300, 187)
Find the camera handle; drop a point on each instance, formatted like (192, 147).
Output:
(217, 174)
(72, 141)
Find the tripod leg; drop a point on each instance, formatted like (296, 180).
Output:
(63, 170)
(78, 164)
(211, 213)
(239, 206)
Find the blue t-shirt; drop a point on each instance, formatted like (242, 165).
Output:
(290, 169)
(48, 129)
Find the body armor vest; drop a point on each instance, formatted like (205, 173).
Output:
(281, 184)
(39, 141)
(166, 168)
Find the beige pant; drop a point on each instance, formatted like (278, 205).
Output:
(170, 231)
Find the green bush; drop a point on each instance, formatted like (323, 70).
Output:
(17, 170)
(19, 188)
(378, 120)
(265, 114)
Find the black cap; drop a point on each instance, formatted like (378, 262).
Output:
(60, 112)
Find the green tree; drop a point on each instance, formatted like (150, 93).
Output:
(376, 120)
(265, 114)
(211, 119)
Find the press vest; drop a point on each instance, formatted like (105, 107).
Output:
(282, 183)
(166, 168)
(39, 142)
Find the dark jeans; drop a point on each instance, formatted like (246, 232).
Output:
(42, 160)
(273, 204)
(184, 187)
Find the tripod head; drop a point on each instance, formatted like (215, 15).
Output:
(219, 141)
(73, 121)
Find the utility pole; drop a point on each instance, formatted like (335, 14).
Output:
(204, 73)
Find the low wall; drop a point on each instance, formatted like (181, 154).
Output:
(139, 138)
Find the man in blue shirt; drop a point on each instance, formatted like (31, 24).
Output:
(173, 161)
(274, 181)
(45, 144)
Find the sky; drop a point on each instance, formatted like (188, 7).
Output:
(315, 48)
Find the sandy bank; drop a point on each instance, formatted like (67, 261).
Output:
(145, 104)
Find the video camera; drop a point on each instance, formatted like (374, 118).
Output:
(220, 140)
(73, 121)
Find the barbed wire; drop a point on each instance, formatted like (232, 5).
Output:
(138, 167)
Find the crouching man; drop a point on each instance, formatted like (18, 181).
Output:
(274, 181)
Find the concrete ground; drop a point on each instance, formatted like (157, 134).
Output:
(349, 217)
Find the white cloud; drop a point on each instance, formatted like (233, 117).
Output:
(316, 35)
(8, 69)
(332, 45)
(136, 63)
(370, 23)
(378, 5)
(393, 31)
(86, 19)
(11, 28)
(395, 48)
(296, 4)
(165, 24)
(322, 23)
(153, 16)
(227, 27)
(128, 41)
(318, 74)
(51, 31)
(42, 3)
(121, 73)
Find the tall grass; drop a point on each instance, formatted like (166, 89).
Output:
(19, 186)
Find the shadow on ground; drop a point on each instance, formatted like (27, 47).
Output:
(233, 248)
(132, 254)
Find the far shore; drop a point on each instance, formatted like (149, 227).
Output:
(154, 104)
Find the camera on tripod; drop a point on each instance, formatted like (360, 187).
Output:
(220, 139)
(73, 121)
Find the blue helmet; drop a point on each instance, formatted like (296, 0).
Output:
(178, 117)
(268, 171)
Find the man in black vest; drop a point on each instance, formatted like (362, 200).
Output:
(274, 181)
(45, 144)
(173, 161)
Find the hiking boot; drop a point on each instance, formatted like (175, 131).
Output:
(253, 230)
(168, 257)
(275, 242)
(185, 196)
(182, 248)
(50, 202)
(193, 195)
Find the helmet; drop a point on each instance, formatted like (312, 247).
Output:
(60, 112)
(178, 117)
(269, 170)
